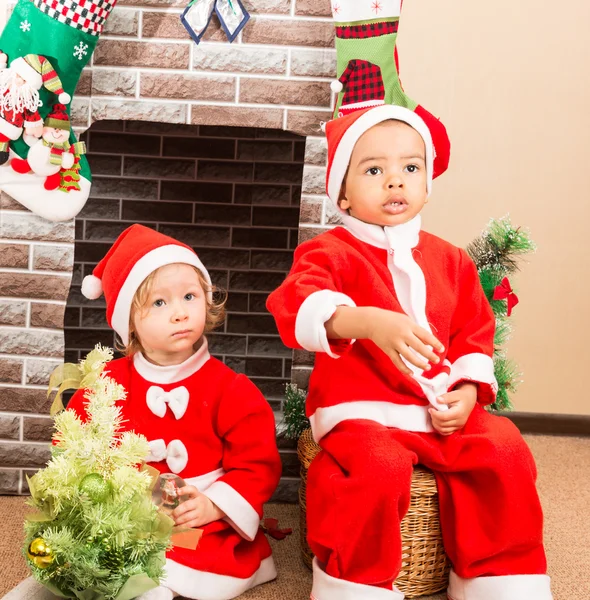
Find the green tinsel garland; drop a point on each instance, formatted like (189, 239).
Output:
(97, 534)
(496, 253)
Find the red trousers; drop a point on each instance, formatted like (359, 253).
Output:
(359, 491)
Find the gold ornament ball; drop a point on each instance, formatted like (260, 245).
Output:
(39, 553)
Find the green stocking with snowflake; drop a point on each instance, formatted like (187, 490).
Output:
(45, 45)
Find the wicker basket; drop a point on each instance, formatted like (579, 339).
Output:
(425, 566)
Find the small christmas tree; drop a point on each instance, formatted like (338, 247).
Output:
(97, 534)
(496, 253)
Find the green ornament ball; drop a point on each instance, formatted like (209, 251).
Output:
(95, 487)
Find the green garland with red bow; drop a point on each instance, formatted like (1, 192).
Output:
(497, 253)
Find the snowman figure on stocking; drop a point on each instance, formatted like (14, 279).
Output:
(52, 152)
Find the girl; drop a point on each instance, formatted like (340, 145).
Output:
(205, 423)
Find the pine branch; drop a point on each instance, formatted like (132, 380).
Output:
(296, 422)
(508, 378)
(500, 247)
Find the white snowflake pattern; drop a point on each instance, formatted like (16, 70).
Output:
(25, 26)
(336, 9)
(377, 7)
(81, 50)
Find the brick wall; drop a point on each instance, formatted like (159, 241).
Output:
(276, 75)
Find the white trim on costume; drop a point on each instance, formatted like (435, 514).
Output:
(408, 282)
(239, 512)
(475, 367)
(409, 417)
(316, 309)
(11, 131)
(147, 264)
(21, 67)
(372, 117)
(507, 587)
(202, 585)
(172, 373)
(345, 12)
(205, 481)
(326, 587)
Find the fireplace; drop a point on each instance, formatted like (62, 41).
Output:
(222, 148)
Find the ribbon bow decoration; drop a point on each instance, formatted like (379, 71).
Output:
(271, 527)
(231, 14)
(176, 399)
(175, 455)
(504, 292)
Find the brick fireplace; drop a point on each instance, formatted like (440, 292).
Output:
(217, 145)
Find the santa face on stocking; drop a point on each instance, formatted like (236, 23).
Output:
(18, 95)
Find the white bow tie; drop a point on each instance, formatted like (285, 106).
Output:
(176, 399)
(175, 454)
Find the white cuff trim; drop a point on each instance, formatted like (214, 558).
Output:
(240, 513)
(191, 583)
(507, 587)
(475, 367)
(326, 587)
(316, 309)
(205, 481)
(409, 417)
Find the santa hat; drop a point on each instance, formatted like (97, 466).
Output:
(342, 135)
(58, 118)
(38, 72)
(136, 253)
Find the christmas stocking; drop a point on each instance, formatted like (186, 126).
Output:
(43, 49)
(366, 36)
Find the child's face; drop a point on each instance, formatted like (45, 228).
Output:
(173, 319)
(386, 180)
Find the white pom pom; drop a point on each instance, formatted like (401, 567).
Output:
(336, 86)
(64, 98)
(92, 287)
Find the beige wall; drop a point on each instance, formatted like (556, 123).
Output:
(511, 81)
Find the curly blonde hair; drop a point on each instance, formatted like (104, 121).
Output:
(215, 310)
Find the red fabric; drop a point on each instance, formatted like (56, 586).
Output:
(367, 30)
(440, 139)
(133, 243)
(228, 424)
(456, 308)
(19, 119)
(358, 491)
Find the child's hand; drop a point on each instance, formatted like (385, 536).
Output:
(460, 402)
(197, 511)
(397, 335)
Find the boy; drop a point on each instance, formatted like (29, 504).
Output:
(404, 341)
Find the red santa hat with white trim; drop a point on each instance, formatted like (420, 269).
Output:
(370, 91)
(136, 253)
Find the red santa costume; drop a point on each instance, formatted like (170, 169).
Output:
(203, 422)
(373, 424)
